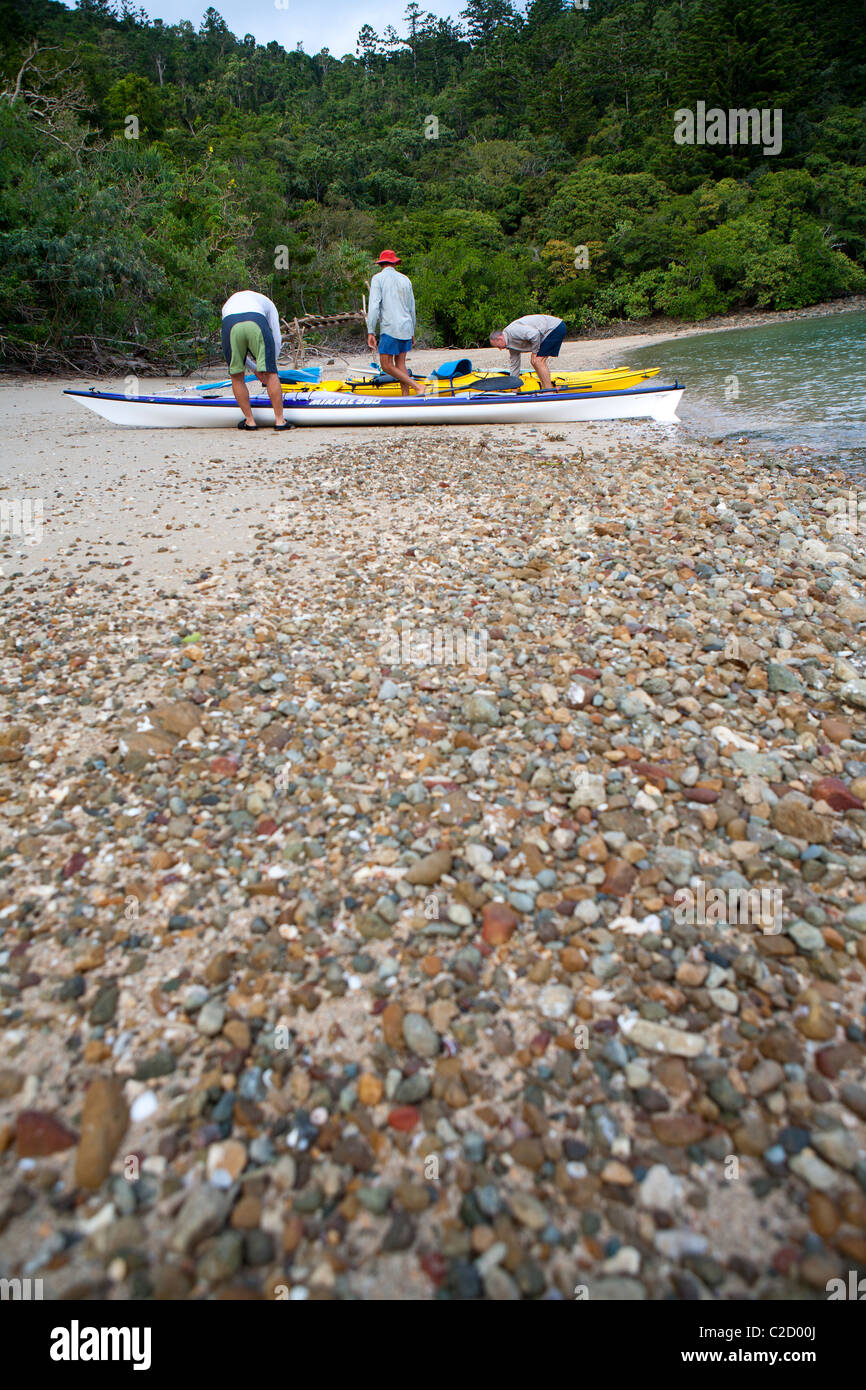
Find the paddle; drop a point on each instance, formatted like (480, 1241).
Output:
(307, 375)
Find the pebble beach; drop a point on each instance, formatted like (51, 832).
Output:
(361, 799)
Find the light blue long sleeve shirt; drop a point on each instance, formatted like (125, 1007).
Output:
(392, 304)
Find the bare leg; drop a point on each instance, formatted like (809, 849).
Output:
(539, 364)
(271, 382)
(242, 396)
(396, 367)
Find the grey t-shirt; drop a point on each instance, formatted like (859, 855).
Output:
(526, 335)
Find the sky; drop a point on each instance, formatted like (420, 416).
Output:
(316, 25)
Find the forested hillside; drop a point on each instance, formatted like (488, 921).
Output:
(519, 159)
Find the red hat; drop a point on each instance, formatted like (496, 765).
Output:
(389, 258)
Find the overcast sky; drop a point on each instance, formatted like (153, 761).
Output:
(316, 25)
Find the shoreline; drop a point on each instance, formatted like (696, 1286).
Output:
(576, 352)
(84, 462)
(662, 330)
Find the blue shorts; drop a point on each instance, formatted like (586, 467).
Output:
(394, 346)
(552, 343)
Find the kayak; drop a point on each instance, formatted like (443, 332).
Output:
(498, 401)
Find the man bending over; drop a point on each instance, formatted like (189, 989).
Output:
(251, 340)
(539, 335)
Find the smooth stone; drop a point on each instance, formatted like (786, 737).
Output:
(661, 1037)
(855, 917)
(203, 1214)
(678, 1130)
(527, 1209)
(790, 817)
(782, 678)
(677, 865)
(498, 923)
(211, 1018)
(499, 1286)
(838, 1147)
(808, 939)
(419, 1036)
(813, 1170)
(430, 869)
(38, 1134)
(104, 1120)
(853, 692)
(765, 1077)
(144, 1105)
(481, 709)
(376, 1200)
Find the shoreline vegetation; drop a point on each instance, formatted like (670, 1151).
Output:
(520, 160)
(577, 353)
(662, 329)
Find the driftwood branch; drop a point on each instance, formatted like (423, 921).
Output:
(298, 327)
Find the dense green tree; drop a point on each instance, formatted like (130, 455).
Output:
(520, 157)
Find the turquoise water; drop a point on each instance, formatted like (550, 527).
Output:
(798, 383)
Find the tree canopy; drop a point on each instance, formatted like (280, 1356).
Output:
(520, 159)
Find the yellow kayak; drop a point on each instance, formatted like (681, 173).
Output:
(369, 384)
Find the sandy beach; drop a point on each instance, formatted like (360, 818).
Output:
(112, 493)
(363, 796)
(108, 490)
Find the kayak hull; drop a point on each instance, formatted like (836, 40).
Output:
(320, 408)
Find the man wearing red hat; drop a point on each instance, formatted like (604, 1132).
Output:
(392, 307)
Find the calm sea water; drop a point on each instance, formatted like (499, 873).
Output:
(802, 382)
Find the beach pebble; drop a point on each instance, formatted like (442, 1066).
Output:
(419, 1036)
(555, 1001)
(104, 1119)
(211, 1017)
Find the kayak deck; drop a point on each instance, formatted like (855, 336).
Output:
(609, 378)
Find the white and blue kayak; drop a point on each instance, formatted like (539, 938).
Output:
(317, 407)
